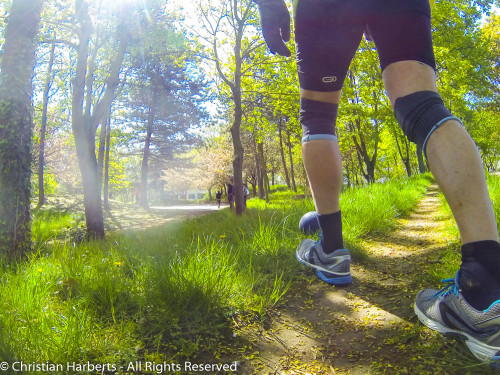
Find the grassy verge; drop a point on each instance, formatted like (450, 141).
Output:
(450, 259)
(375, 209)
(50, 224)
(171, 293)
(441, 354)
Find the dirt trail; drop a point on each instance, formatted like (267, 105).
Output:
(131, 216)
(122, 217)
(331, 330)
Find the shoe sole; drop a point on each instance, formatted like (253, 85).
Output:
(482, 351)
(341, 280)
(336, 280)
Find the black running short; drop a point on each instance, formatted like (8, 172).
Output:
(328, 33)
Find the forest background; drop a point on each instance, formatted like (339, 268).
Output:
(134, 100)
(138, 101)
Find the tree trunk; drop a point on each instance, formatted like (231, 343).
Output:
(84, 123)
(260, 172)
(236, 128)
(43, 128)
(282, 153)
(292, 171)
(405, 158)
(260, 148)
(102, 150)
(16, 127)
(143, 191)
(238, 23)
(238, 164)
(348, 175)
(91, 189)
(106, 165)
(83, 132)
(267, 187)
(363, 156)
(421, 163)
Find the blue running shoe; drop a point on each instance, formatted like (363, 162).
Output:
(447, 312)
(332, 268)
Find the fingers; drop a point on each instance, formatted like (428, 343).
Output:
(275, 23)
(275, 40)
(283, 50)
(285, 30)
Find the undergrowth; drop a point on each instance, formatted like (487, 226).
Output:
(452, 359)
(450, 259)
(171, 293)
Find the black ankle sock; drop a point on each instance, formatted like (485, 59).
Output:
(480, 273)
(331, 228)
(486, 253)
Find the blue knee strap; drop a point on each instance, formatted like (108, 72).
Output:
(434, 129)
(314, 137)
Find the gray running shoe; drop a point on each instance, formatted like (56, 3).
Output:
(447, 312)
(332, 268)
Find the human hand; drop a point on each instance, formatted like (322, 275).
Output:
(275, 24)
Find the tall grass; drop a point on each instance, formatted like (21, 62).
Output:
(172, 292)
(494, 189)
(49, 224)
(450, 259)
(375, 209)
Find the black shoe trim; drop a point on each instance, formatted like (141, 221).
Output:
(454, 321)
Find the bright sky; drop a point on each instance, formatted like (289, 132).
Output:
(114, 3)
(189, 6)
(188, 9)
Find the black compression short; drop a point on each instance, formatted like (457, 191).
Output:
(328, 33)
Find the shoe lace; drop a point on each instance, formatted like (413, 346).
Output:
(451, 287)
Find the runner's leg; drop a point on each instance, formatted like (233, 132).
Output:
(323, 162)
(452, 155)
(322, 64)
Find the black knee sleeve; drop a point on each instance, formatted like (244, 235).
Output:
(317, 119)
(419, 114)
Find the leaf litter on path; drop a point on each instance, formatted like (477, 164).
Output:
(354, 329)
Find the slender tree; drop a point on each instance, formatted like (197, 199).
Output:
(282, 153)
(87, 114)
(290, 157)
(230, 22)
(43, 128)
(106, 164)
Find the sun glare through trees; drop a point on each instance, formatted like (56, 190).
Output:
(121, 119)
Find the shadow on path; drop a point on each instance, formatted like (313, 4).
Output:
(331, 330)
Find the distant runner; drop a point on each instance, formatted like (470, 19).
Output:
(218, 196)
(230, 195)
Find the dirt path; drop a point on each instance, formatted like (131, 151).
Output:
(330, 330)
(121, 216)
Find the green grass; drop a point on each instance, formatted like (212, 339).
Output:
(441, 353)
(49, 224)
(374, 209)
(170, 293)
(494, 188)
(449, 261)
